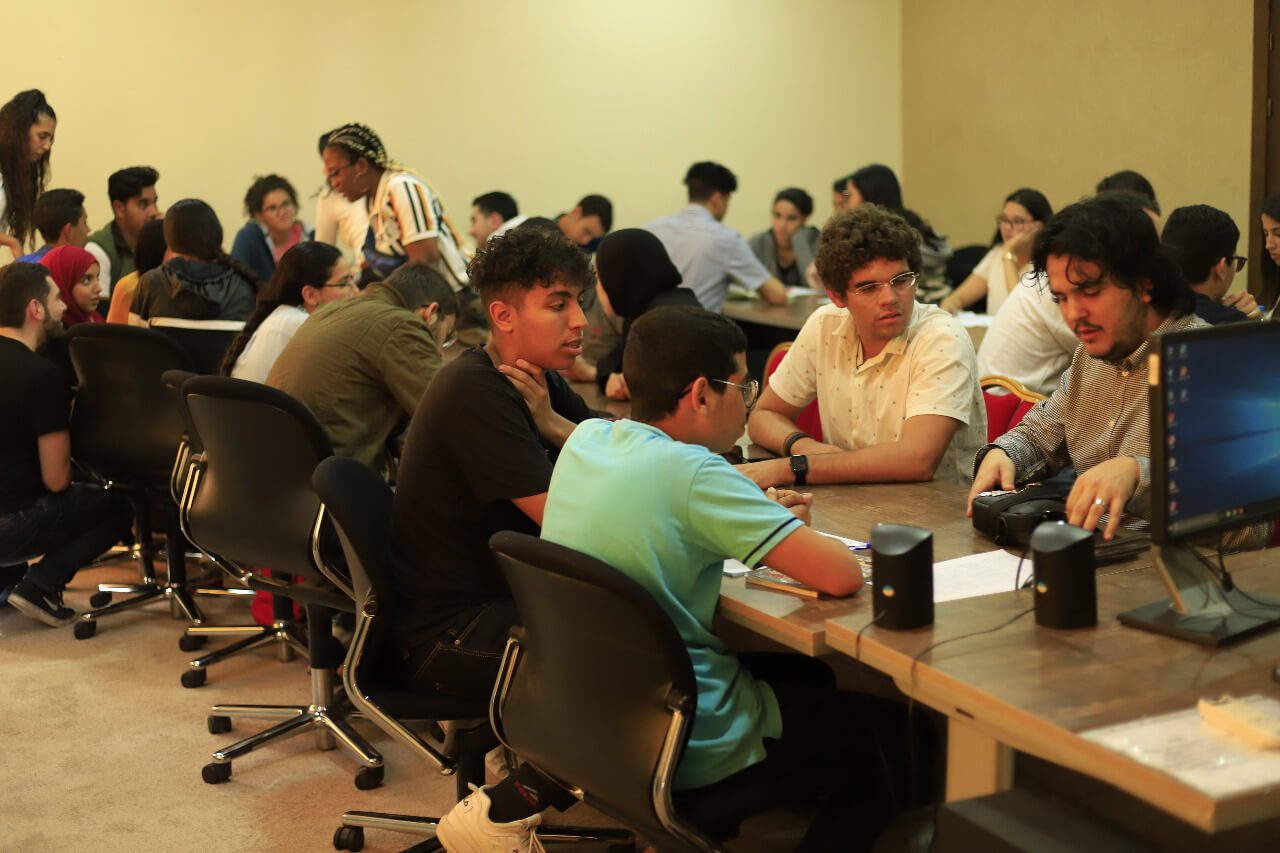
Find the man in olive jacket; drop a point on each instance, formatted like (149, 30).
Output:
(361, 364)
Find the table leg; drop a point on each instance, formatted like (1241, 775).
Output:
(977, 764)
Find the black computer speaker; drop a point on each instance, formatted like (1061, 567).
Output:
(901, 576)
(1066, 592)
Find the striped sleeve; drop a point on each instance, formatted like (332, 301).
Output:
(413, 205)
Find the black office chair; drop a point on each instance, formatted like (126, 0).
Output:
(282, 633)
(253, 505)
(596, 688)
(358, 501)
(125, 433)
(206, 343)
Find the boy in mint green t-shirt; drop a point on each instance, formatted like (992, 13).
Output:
(651, 497)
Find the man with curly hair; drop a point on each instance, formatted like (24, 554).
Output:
(478, 457)
(896, 381)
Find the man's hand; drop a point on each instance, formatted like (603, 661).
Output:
(771, 472)
(531, 382)
(995, 472)
(1243, 301)
(797, 502)
(13, 245)
(615, 387)
(1104, 488)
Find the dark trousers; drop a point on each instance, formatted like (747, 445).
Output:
(461, 659)
(851, 753)
(69, 528)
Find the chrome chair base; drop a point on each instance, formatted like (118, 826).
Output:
(327, 719)
(182, 605)
(350, 835)
(284, 636)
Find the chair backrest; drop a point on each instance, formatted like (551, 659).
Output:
(809, 420)
(206, 346)
(359, 502)
(600, 693)
(124, 426)
(254, 503)
(1005, 411)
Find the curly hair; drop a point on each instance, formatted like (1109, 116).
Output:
(261, 187)
(854, 238)
(526, 257)
(1113, 231)
(23, 180)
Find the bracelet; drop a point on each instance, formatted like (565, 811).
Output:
(792, 439)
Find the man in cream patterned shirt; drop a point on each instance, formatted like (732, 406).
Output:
(896, 381)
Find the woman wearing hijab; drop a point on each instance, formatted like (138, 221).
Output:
(633, 275)
(75, 271)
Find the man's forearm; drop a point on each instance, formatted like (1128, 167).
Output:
(558, 429)
(896, 462)
(770, 429)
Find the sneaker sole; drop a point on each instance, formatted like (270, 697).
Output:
(35, 611)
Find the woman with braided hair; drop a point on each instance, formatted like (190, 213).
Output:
(198, 283)
(407, 221)
(27, 124)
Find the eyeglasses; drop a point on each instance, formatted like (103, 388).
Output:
(1237, 262)
(276, 208)
(1013, 223)
(333, 173)
(901, 283)
(449, 340)
(347, 282)
(750, 391)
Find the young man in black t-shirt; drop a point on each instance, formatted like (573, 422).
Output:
(41, 511)
(478, 458)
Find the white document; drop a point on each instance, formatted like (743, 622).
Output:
(734, 568)
(1194, 752)
(977, 574)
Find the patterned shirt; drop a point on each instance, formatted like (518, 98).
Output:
(929, 369)
(404, 210)
(1101, 411)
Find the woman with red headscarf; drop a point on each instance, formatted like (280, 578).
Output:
(75, 271)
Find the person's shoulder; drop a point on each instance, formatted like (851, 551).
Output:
(30, 369)
(405, 180)
(930, 323)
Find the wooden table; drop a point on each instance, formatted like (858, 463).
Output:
(852, 510)
(790, 316)
(1024, 687)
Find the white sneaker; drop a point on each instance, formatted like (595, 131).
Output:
(467, 829)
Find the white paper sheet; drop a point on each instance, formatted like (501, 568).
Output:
(1195, 753)
(977, 574)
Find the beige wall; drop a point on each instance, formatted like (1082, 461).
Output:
(548, 100)
(1003, 94)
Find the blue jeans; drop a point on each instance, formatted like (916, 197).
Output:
(69, 528)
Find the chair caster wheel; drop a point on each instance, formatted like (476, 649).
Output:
(348, 838)
(215, 773)
(218, 725)
(100, 599)
(191, 644)
(85, 630)
(195, 677)
(368, 778)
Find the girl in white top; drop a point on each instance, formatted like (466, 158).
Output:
(1024, 213)
(27, 125)
(308, 275)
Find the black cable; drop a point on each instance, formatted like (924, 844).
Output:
(1017, 576)
(1229, 585)
(916, 659)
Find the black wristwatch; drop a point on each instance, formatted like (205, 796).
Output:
(800, 468)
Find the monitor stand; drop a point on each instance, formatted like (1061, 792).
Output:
(1198, 608)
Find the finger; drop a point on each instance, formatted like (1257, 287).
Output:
(530, 368)
(1006, 475)
(1096, 508)
(1113, 522)
(1078, 501)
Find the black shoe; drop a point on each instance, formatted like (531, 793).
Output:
(38, 604)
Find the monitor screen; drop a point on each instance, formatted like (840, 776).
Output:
(1215, 430)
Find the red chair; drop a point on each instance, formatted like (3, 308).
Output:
(809, 420)
(1004, 411)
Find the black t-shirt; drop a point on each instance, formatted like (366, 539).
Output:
(1215, 313)
(36, 401)
(471, 448)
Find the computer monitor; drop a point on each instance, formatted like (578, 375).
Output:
(1215, 467)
